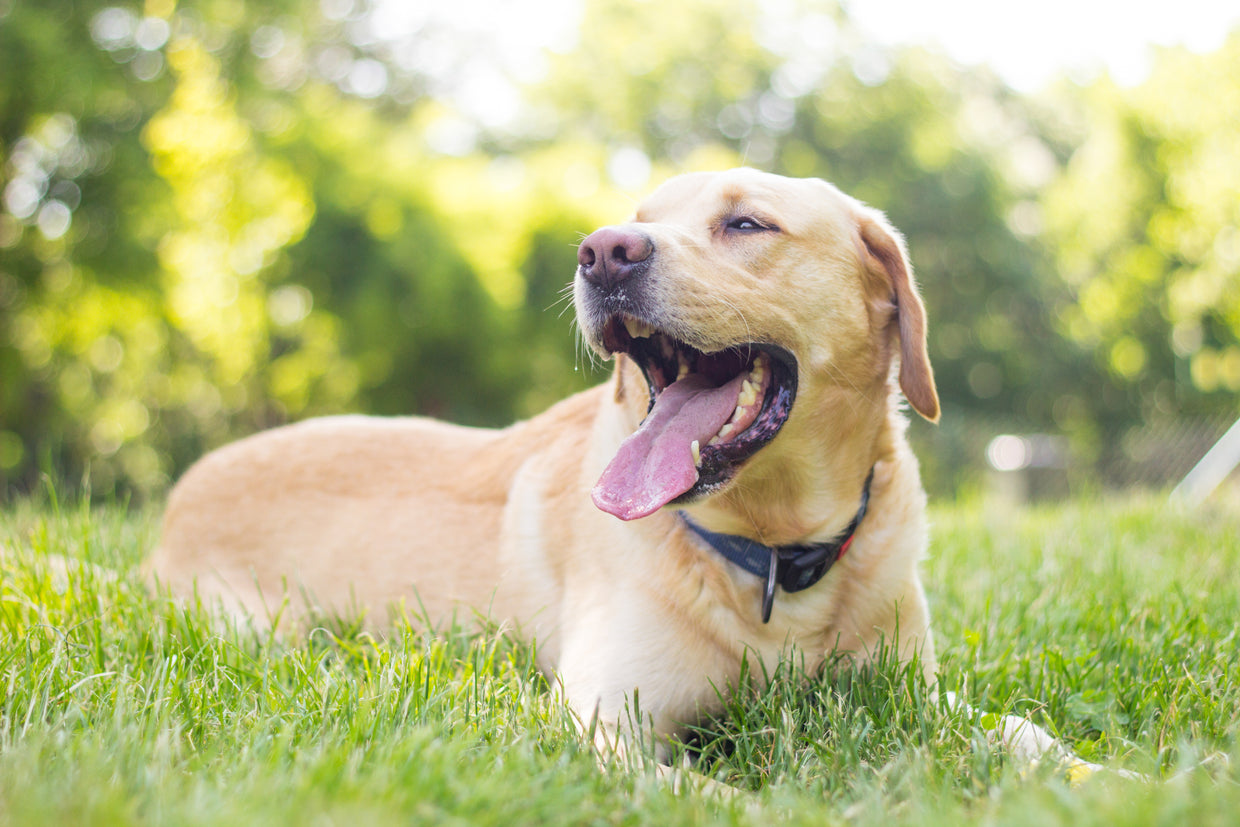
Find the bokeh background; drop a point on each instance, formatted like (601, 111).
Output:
(218, 216)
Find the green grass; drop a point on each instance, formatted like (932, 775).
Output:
(1114, 623)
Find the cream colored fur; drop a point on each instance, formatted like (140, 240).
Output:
(370, 513)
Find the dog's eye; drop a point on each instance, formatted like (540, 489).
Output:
(746, 224)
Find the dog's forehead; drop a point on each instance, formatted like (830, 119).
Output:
(702, 197)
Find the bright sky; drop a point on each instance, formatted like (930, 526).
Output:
(479, 46)
(1029, 43)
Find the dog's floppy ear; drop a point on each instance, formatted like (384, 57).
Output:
(884, 252)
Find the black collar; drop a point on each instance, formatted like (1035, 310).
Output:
(792, 567)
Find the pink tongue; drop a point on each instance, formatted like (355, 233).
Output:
(655, 465)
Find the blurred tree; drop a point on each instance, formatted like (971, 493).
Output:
(1145, 227)
(163, 171)
(77, 306)
(219, 215)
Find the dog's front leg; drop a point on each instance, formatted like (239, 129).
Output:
(625, 743)
(624, 716)
(632, 686)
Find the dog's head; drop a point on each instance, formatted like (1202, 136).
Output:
(747, 301)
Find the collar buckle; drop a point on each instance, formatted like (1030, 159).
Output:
(805, 566)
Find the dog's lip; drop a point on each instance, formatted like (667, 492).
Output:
(719, 460)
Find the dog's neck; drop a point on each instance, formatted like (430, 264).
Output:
(793, 568)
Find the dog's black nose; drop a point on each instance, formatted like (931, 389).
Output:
(612, 254)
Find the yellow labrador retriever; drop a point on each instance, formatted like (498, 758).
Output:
(742, 484)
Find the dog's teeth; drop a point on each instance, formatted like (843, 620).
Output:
(637, 329)
(697, 453)
(759, 370)
(714, 440)
(683, 370)
(725, 431)
(749, 395)
(737, 415)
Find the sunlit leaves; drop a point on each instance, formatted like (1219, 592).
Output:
(235, 208)
(1146, 224)
(216, 216)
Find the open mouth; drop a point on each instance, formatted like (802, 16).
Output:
(709, 413)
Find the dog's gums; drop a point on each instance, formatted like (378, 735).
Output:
(709, 413)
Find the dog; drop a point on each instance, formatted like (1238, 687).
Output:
(740, 485)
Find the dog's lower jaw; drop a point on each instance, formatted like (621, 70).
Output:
(805, 486)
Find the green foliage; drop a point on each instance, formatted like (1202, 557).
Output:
(1145, 224)
(1109, 622)
(204, 236)
(220, 216)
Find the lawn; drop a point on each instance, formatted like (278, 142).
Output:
(1112, 621)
